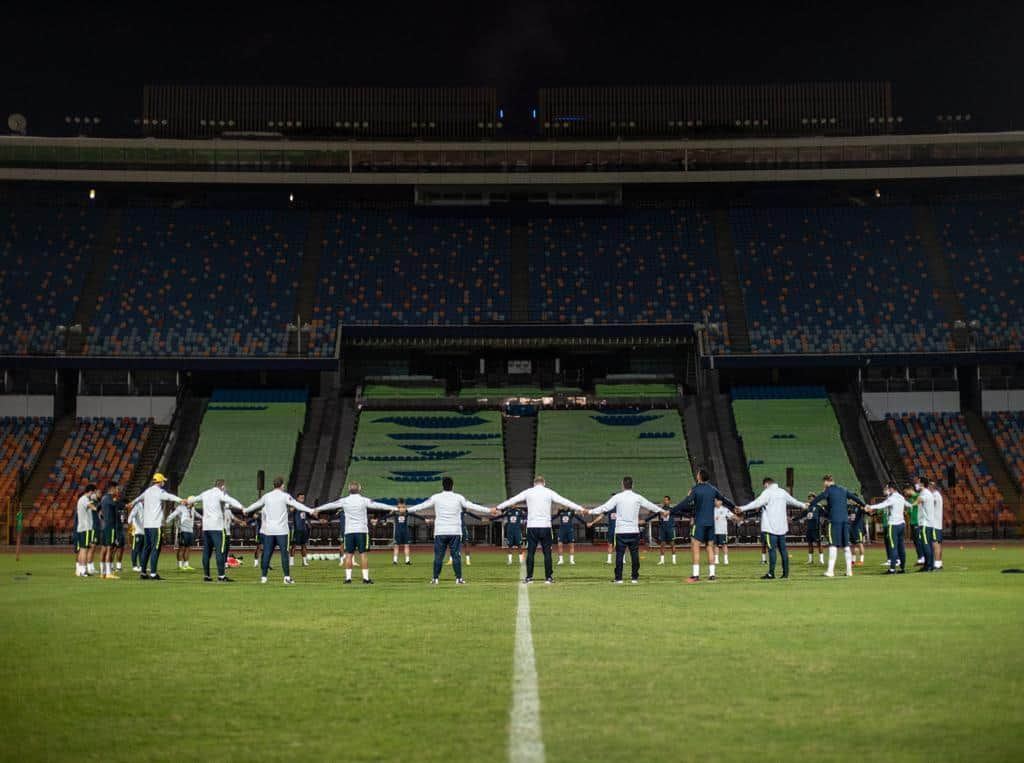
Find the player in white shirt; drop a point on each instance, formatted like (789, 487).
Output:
(935, 533)
(895, 505)
(627, 506)
(357, 527)
(138, 537)
(448, 506)
(152, 501)
(274, 515)
(539, 501)
(774, 502)
(217, 517)
(925, 509)
(185, 517)
(84, 530)
(722, 516)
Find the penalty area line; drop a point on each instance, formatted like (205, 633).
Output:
(525, 742)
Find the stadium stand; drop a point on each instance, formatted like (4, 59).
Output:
(928, 443)
(21, 443)
(636, 390)
(415, 392)
(584, 454)
(45, 256)
(395, 267)
(243, 431)
(651, 266)
(1008, 430)
(836, 279)
(404, 455)
(794, 427)
(494, 393)
(99, 451)
(200, 282)
(984, 244)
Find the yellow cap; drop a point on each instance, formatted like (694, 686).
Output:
(158, 477)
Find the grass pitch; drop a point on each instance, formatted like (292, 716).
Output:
(914, 667)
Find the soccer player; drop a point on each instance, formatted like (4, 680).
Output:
(539, 500)
(274, 507)
(701, 501)
(257, 526)
(566, 520)
(185, 517)
(448, 506)
(96, 538)
(895, 505)
(666, 532)
(514, 532)
(138, 537)
(84, 530)
(858, 534)
(925, 508)
(152, 501)
(120, 519)
(217, 518)
(627, 505)
(914, 500)
(109, 523)
(300, 532)
(838, 499)
(813, 532)
(773, 503)
(402, 534)
(608, 518)
(357, 527)
(935, 532)
(722, 517)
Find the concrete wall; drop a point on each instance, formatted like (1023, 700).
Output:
(1002, 400)
(26, 405)
(160, 409)
(877, 404)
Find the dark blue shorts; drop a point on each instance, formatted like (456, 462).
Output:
(704, 533)
(108, 537)
(813, 535)
(119, 536)
(84, 539)
(357, 542)
(402, 536)
(721, 540)
(858, 533)
(185, 540)
(933, 534)
(566, 534)
(667, 531)
(300, 537)
(839, 534)
(514, 535)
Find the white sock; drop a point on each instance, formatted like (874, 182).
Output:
(833, 552)
(609, 559)
(291, 560)
(407, 558)
(522, 556)
(726, 558)
(711, 569)
(348, 573)
(92, 567)
(467, 557)
(764, 557)
(509, 558)
(560, 559)
(366, 573)
(394, 557)
(861, 558)
(79, 569)
(696, 570)
(119, 567)
(716, 558)
(810, 558)
(673, 558)
(938, 564)
(181, 563)
(661, 559)
(848, 557)
(572, 558)
(821, 557)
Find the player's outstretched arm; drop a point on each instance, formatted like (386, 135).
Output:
(517, 498)
(253, 507)
(427, 504)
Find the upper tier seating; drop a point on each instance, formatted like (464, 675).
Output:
(650, 266)
(45, 257)
(836, 279)
(985, 245)
(200, 282)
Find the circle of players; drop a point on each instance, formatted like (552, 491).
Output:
(836, 517)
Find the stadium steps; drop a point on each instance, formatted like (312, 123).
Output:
(519, 284)
(938, 270)
(37, 479)
(310, 271)
(735, 311)
(341, 452)
(146, 468)
(732, 449)
(859, 446)
(95, 281)
(520, 435)
(889, 452)
(182, 440)
(306, 458)
(319, 481)
(714, 459)
(994, 460)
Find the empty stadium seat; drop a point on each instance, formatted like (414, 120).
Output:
(21, 443)
(1008, 430)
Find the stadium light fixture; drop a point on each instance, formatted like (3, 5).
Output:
(291, 197)
(878, 193)
(92, 194)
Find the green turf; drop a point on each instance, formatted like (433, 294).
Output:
(391, 391)
(478, 469)
(585, 460)
(817, 449)
(636, 390)
(915, 667)
(238, 439)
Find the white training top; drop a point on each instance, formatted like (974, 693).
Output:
(774, 500)
(83, 514)
(185, 516)
(896, 504)
(214, 509)
(275, 511)
(936, 510)
(722, 517)
(538, 504)
(355, 505)
(152, 499)
(135, 520)
(448, 506)
(925, 507)
(627, 506)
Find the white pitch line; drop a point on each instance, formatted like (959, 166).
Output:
(526, 742)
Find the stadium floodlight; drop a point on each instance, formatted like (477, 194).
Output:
(67, 120)
(689, 123)
(291, 197)
(967, 117)
(95, 120)
(78, 120)
(975, 324)
(92, 194)
(959, 324)
(365, 125)
(202, 123)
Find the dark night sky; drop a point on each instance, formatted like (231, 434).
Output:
(941, 57)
